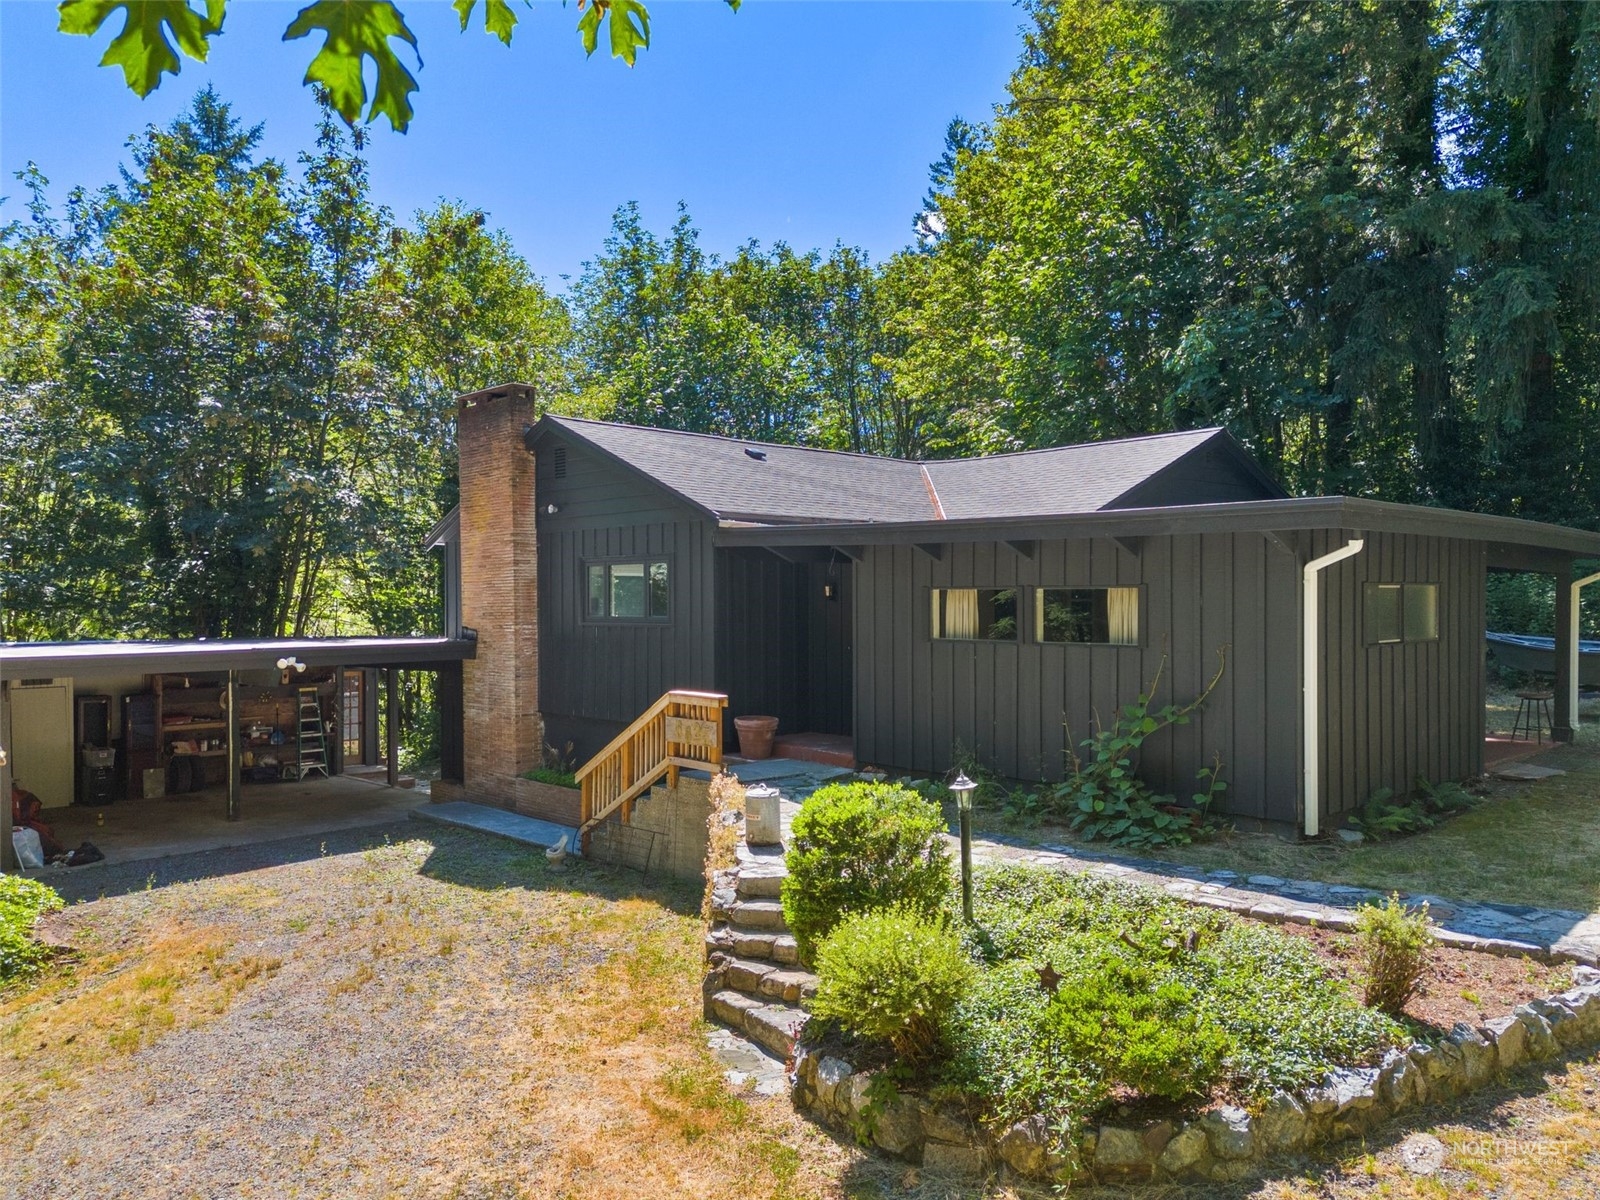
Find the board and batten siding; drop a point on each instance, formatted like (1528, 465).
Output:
(1020, 706)
(594, 677)
(1392, 713)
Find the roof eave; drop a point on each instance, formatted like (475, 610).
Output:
(1307, 512)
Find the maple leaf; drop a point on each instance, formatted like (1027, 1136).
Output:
(498, 18)
(143, 49)
(357, 30)
(629, 22)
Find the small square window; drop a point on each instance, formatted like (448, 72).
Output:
(975, 614)
(1092, 616)
(1421, 617)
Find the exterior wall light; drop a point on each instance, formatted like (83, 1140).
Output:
(963, 788)
(290, 664)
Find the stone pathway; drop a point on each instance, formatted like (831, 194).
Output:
(1511, 929)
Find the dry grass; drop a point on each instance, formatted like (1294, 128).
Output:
(442, 1017)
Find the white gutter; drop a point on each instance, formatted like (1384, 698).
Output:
(1572, 645)
(1311, 678)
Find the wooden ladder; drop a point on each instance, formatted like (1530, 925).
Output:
(682, 729)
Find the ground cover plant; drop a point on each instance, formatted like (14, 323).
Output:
(22, 903)
(1082, 993)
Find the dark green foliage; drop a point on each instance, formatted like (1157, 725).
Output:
(1153, 997)
(1103, 796)
(891, 975)
(22, 903)
(1395, 941)
(857, 847)
(1385, 815)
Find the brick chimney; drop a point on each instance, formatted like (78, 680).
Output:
(504, 733)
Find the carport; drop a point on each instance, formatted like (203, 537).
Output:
(91, 725)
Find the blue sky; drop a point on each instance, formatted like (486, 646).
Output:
(809, 121)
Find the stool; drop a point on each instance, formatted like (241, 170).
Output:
(1533, 714)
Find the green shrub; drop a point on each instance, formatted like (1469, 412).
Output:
(856, 847)
(1137, 1024)
(22, 903)
(1394, 942)
(890, 975)
(1008, 1055)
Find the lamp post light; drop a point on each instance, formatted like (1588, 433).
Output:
(963, 788)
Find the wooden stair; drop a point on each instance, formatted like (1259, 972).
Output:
(681, 730)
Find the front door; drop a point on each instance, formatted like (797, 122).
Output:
(831, 678)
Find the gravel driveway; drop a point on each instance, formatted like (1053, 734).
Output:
(373, 1013)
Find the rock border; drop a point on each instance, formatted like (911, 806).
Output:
(1219, 1145)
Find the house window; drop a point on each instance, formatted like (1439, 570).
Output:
(1401, 612)
(627, 591)
(1093, 616)
(975, 614)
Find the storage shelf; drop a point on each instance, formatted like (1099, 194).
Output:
(167, 730)
(200, 754)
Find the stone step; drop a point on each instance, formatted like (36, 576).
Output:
(758, 915)
(777, 947)
(767, 980)
(771, 1026)
(761, 883)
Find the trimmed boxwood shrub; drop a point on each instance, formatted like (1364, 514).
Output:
(891, 976)
(856, 847)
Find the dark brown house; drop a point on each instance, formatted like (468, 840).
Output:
(997, 606)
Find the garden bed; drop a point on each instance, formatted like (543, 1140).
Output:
(1457, 985)
(1082, 1027)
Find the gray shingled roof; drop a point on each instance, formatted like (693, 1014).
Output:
(1069, 479)
(797, 484)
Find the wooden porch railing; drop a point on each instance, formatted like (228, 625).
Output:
(682, 729)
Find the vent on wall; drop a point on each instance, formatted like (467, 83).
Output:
(36, 683)
(560, 459)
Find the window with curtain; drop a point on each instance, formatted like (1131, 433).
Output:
(627, 591)
(1401, 612)
(975, 614)
(1090, 616)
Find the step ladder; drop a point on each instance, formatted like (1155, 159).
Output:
(313, 741)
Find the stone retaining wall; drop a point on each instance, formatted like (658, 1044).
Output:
(1221, 1144)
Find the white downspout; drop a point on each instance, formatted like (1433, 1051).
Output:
(1572, 646)
(1311, 678)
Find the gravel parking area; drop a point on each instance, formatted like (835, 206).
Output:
(384, 1012)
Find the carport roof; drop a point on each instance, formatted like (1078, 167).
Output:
(33, 660)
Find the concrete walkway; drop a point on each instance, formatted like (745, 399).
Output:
(1510, 929)
(530, 831)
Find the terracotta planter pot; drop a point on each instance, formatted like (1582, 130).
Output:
(755, 735)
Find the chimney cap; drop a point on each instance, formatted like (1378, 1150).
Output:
(500, 391)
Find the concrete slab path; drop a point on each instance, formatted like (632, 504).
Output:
(530, 831)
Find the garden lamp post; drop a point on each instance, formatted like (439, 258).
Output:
(963, 788)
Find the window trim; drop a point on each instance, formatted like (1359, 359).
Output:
(1037, 601)
(609, 561)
